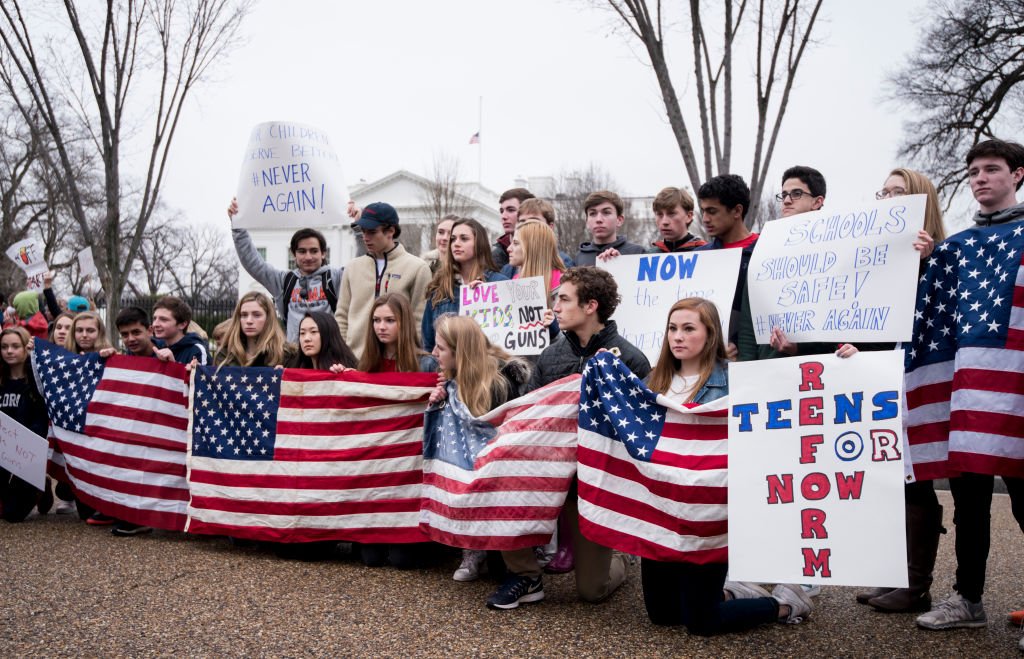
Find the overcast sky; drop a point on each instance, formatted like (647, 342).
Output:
(394, 82)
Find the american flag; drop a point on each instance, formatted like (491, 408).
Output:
(475, 139)
(499, 482)
(965, 363)
(121, 425)
(652, 474)
(302, 455)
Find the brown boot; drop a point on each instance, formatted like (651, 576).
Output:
(924, 525)
(863, 597)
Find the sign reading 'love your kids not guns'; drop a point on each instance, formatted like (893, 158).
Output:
(291, 178)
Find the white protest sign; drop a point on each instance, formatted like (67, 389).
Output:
(816, 470)
(509, 312)
(86, 264)
(291, 177)
(22, 452)
(842, 276)
(28, 255)
(651, 283)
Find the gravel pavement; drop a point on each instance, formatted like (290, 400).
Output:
(74, 590)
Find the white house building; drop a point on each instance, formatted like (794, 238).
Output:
(410, 195)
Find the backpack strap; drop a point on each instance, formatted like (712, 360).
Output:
(329, 291)
(286, 295)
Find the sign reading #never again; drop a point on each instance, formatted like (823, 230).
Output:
(651, 283)
(291, 177)
(838, 275)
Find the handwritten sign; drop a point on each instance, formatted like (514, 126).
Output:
(816, 470)
(843, 276)
(651, 283)
(86, 264)
(291, 177)
(28, 255)
(22, 452)
(509, 312)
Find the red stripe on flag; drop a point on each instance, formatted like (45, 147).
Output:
(519, 452)
(134, 439)
(692, 462)
(696, 431)
(978, 463)
(126, 487)
(138, 415)
(158, 519)
(984, 380)
(327, 402)
(490, 513)
(298, 534)
(492, 542)
(939, 392)
(928, 433)
(143, 390)
(630, 544)
(484, 485)
(306, 481)
(142, 465)
(321, 428)
(627, 470)
(307, 508)
(645, 512)
(403, 450)
(993, 423)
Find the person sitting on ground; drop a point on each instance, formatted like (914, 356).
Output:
(310, 286)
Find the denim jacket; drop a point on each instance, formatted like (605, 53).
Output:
(716, 387)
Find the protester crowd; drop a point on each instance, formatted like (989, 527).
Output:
(391, 311)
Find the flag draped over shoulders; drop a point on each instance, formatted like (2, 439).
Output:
(652, 473)
(121, 427)
(301, 456)
(499, 482)
(965, 363)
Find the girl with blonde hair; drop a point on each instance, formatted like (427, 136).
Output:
(254, 337)
(87, 334)
(534, 251)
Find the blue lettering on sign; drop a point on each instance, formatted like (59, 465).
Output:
(666, 266)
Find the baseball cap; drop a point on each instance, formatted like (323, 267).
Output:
(376, 215)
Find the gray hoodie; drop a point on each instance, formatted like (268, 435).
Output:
(1011, 214)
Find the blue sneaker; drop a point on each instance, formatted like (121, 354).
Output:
(514, 590)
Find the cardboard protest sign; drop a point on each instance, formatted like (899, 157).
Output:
(291, 177)
(843, 276)
(86, 264)
(28, 255)
(651, 283)
(816, 470)
(509, 312)
(22, 452)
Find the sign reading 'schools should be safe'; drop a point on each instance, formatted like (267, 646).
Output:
(291, 177)
(816, 470)
(842, 276)
(651, 283)
(510, 313)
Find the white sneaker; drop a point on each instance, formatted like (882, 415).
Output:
(474, 563)
(743, 590)
(796, 599)
(812, 591)
(954, 611)
(66, 508)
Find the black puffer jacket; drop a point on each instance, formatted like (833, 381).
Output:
(566, 356)
(517, 373)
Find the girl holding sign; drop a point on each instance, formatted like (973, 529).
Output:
(392, 347)
(20, 400)
(485, 377)
(692, 370)
(468, 261)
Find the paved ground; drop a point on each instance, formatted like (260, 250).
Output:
(72, 590)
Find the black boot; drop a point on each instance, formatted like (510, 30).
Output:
(924, 526)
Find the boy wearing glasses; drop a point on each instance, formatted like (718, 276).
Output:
(803, 190)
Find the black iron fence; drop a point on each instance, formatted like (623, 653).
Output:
(206, 312)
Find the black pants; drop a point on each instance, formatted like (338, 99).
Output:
(972, 503)
(17, 497)
(691, 595)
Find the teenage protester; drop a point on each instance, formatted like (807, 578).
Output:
(61, 327)
(20, 400)
(310, 286)
(673, 211)
(584, 304)
(27, 315)
(171, 318)
(605, 214)
(923, 512)
(692, 369)
(484, 377)
(254, 337)
(468, 260)
(441, 233)
(995, 170)
(508, 206)
(541, 210)
(391, 346)
(386, 268)
(321, 347)
(534, 253)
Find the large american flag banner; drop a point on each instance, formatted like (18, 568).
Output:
(302, 455)
(965, 363)
(499, 482)
(652, 473)
(120, 425)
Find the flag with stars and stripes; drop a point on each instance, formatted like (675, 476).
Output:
(965, 363)
(121, 426)
(652, 473)
(499, 482)
(300, 455)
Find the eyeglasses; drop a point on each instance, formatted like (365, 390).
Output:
(795, 195)
(892, 192)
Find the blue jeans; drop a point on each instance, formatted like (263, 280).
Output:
(691, 595)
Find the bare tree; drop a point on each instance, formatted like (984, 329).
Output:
(441, 197)
(206, 265)
(782, 32)
(961, 86)
(162, 243)
(153, 52)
